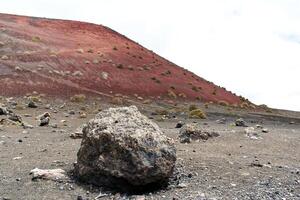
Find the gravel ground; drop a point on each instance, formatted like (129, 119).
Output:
(231, 166)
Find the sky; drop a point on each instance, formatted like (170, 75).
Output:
(251, 47)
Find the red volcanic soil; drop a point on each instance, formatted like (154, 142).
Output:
(63, 58)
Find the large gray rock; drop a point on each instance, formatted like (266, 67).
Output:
(190, 132)
(123, 148)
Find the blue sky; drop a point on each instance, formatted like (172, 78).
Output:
(252, 47)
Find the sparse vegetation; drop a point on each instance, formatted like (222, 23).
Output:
(172, 94)
(120, 66)
(146, 67)
(214, 92)
(117, 101)
(199, 98)
(182, 95)
(168, 72)
(36, 39)
(223, 103)
(34, 98)
(78, 98)
(198, 114)
(193, 107)
(244, 105)
(195, 88)
(161, 112)
(206, 105)
(130, 68)
(79, 50)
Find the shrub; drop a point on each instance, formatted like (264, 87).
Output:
(223, 103)
(195, 89)
(145, 67)
(199, 98)
(206, 105)
(36, 39)
(244, 105)
(198, 114)
(193, 107)
(115, 48)
(172, 94)
(214, 92)
(80, 51)
(78, 98)
(120, 66)
(130, 68)
(35, 98)
(182, 95)
(161, 112)
(117, 100)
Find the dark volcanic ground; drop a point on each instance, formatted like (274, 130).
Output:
(231, 166)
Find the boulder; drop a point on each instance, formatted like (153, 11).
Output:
(191, 132)
(121, 148)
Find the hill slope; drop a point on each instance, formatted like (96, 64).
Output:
(62, 58)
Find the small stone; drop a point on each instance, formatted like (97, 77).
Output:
(79, 198)
(179, 124)
(32, 104)
(181, 185)
(264, 130)
(27, 126)
(251, 133)
(54, 126)
(48, 174)
(72, 112)
(191, 132)
(44, 119)
(17, 158)
(82, 115)
(259, 126)
(240, 122)
(221, 121)
(14, 117)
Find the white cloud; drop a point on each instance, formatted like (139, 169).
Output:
(251, 47)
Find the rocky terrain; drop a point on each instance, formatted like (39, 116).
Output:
(86, 113)
(226, 157)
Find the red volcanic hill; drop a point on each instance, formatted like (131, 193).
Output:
(63, 58)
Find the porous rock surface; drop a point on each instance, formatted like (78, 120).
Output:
(123, 148)
(190, 132)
